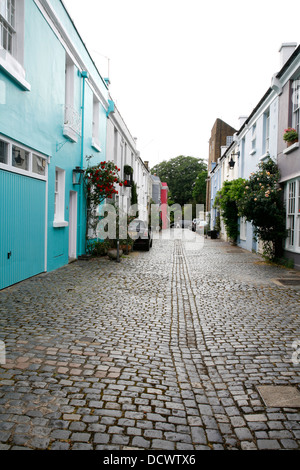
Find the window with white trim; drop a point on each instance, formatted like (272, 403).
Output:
(293, 215)
(96, 124)
(59, 198)
(20, 159)
(3, 152)
(267, 131)
(72, 119)
(7, 24)
(253, 139)
(38, 165)
(291, 212)
(12, 19)
(229, 140)
(296, 105)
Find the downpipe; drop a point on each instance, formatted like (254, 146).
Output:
(85, 76)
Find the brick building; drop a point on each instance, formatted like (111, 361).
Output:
(221, 135)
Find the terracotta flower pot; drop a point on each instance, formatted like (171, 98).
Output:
(292, 142)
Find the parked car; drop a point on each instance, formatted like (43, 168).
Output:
(201, 225)
(141, 233)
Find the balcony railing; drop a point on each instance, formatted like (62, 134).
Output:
(72, 123)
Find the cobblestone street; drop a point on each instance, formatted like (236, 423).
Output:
(165, 350)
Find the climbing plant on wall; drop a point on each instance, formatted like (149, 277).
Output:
(262, 204)
(227, 201)
(100, 183)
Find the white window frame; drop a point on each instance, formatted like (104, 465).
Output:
(229, 140)
(31, 155)
(293, 215)
(267, 131)
(12, 58)
(59, 198)
(253, 139)
(7, 24)
(296, 105)
(96, 124)
(72, 119)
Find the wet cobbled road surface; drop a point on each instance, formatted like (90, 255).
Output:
(165, 350)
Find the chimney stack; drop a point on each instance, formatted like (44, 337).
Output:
(242, 119)
(286, 50)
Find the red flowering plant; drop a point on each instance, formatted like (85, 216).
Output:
(290, 134)
(100, 182)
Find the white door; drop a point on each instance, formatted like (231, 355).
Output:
(73, 225)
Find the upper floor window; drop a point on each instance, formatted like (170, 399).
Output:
(229, 140)
(12, 20)
(267, 131)
(296, 105)
(253, 136)
(96, 124)
(72, 118)
(7, 24)
(253, 139)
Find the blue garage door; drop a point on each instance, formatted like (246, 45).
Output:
(22, 227)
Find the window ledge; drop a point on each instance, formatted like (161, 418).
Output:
(60, 223)
(291, 148)
(264, 157)
(13, 69)
(96, 145)
(70, 133)
(252, 152)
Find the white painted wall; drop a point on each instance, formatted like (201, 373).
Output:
(122, 150)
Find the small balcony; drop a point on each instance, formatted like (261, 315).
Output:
(72, 124)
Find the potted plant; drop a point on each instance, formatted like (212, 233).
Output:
(290, 136)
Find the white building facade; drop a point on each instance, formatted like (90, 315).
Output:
(121, 148)
(261, 136)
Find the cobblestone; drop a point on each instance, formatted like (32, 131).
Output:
(164, 351)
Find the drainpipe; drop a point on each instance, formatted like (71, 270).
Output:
(84, 75)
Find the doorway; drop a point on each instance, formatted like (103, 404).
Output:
(73, 226)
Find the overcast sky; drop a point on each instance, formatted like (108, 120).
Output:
(176, 66)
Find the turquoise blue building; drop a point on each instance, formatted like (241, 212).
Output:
(53, 113)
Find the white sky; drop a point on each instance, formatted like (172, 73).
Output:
(178, 65)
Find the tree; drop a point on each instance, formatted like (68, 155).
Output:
(180, 173)
(199, 189)
(262, 204)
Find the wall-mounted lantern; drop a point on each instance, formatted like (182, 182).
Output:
(231, 161)
(77, 176)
